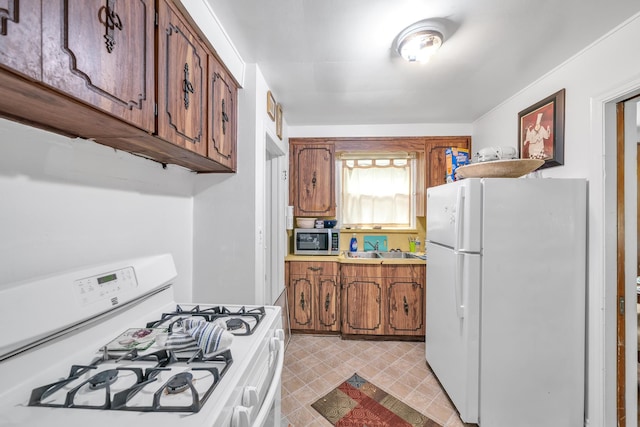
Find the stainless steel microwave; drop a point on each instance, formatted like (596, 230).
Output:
(316, 241)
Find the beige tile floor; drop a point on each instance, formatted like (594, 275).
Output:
(314, 365)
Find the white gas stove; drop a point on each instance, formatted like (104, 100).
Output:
(108, 345)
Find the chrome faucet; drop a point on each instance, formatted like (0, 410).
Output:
(375, 247)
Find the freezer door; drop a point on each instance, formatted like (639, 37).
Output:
(452, 327)
(454, 215)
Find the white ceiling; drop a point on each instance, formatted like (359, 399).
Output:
(330, 62)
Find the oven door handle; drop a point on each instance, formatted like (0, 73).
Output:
(270, 398)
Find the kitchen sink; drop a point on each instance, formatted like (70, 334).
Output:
(385, 255)
(363, 255)
(395, 255)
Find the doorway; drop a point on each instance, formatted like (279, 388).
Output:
(274, 222)
(627, 206)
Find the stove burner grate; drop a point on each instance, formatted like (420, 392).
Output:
(235, 319)
(163, 360)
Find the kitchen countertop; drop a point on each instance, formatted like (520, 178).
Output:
(345, 260)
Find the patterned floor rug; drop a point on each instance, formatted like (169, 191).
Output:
(358, 403)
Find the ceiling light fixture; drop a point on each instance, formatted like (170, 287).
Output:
(418, 42)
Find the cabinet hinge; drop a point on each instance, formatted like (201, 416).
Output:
(621, 306)
(155, 110)
(156, 19)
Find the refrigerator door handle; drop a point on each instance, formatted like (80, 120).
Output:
(458, 284)
(458, 217)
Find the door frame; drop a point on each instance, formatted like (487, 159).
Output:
(626, 255)
(601, 397)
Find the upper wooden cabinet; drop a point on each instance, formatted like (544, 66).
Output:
(182, 82)
(102, 52)
(222, 115)
(93, 69)
(21, 37)
(435, 165)
(312, 185)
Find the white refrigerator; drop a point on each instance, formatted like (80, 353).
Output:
(505, 300)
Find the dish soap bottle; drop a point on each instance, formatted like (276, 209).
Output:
(353, 246)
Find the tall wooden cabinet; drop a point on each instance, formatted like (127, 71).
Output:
(312, 184)
(314, 299)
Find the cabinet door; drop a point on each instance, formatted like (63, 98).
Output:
(102, 53)
(404, 285)
(21, 37)
(362, 293)
(312, 188)
(182, 65)
(328, 304)
(301, 303)
(436, 166)
(222, 116)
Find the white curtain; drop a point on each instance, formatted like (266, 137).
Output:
(376, 192)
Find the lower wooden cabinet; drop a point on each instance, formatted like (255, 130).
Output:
(362, 299)
(357, 299)
(314, 300)
(405, 300)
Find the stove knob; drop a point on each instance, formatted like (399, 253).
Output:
(249, 396)
(279, 333)
(241, 417)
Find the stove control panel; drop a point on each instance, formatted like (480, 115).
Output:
(106, 286)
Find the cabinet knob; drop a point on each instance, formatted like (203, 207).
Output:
(187, 86)
(406, 305)
(314, 180)
(302, 300)
(314, 268)
(327, 301)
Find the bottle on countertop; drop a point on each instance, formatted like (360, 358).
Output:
(353, 246)
(417, 244)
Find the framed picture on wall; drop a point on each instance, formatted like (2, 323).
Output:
(279, 121)
(271, 106)
(541, 130)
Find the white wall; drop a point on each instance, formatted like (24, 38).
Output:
(229, 209)
(381, 130)
(602, 73)
(67, 203)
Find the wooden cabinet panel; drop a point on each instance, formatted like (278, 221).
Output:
(102, 52)
(327, 304)
(21, 37)
(222, 116)
(182, 65)
(301, 303)
(312, 185)
(405, 289)
(313, 296)
(362, 293)
(436, 167)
